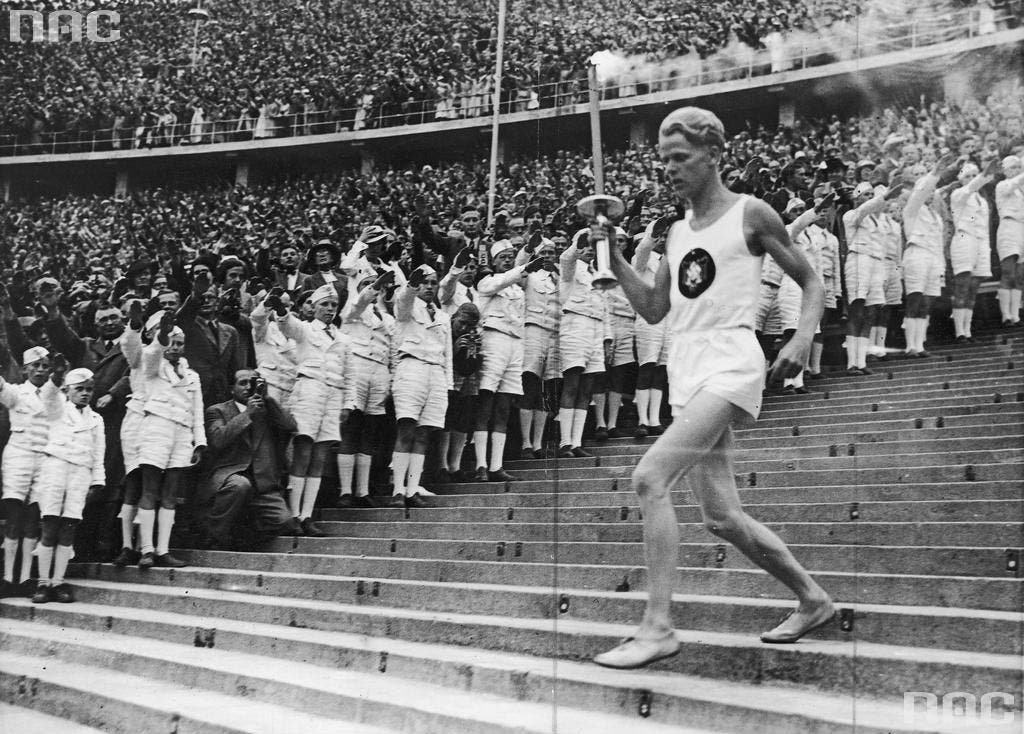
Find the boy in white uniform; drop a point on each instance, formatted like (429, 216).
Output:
(367, 385)
(72, 468)
(969, 252)
(1010, 239)
(707, 288)
(583, 333)
(423, 375)
(540, 349)
(175, 439)
(619, 357)
(322, 354)
(22, 460)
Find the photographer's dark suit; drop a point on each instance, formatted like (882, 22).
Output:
(245, 468)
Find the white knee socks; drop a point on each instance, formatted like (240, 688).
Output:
(44, 553)
(164, 524)
(600, 400)
(565, 419)
(147, 520)
(346, 469)
(643, 400)
(654, 408)
(127, 516)
(363, 464)
(1003, 296)
(526, 427)
(540, 420)
(399, 468)
(10, 551)
(416, 462)
(28, 547)
(295, 485)
(456, 446)
(497, 450)
(480, 445)
(816, 349)
(579, 419)
(62, 555)
(309, 493)
(614, 404)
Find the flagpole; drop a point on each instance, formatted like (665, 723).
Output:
(496, 101)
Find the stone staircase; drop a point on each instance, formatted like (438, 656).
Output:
(902, 492)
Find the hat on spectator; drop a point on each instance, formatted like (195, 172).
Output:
(893, 140)
(154, 321)
(323, 293)
(863, 188)
(309, 265)
(866, 163)
(834, 164)
(374, 234)
(34, 354)
(500, 246)
(1011, 162)
(47, 283)
(302, 298)
(795, 203)
(77, 376)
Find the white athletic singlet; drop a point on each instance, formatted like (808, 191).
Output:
(715, 278)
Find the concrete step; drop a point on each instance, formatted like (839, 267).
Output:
(942, 561)
(830, 665)
(617, 477)
(27, 721)
(1006, 384)
(669, 699)
(997, 593)
(927, 511)
(956, 629)
(998, 414)
(766, 457)
(844, 417)
(892, 406)
(596, 493)
(996, 371)
(579, 492)
(340, 696)
(114, 701)
(982, 429)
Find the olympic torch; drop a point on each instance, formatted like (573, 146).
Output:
(599, 209)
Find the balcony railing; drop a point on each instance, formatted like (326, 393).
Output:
(796, 51)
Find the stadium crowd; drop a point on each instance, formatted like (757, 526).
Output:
(249, 69)
(235, 347)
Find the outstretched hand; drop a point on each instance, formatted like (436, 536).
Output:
(791, 359)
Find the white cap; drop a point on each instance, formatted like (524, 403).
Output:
(154, 321)
(863, 188)
(77, 376)
(426, 270)
(795, 203)
(34, 355)
(323, 293)
(1011, 161)
(500, 246)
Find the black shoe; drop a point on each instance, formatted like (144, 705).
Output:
(655, 430)
(415, 501)
(866, 371)
(565, 452)
(127, 557)
(525, 453)
(922, 354)
(310, 529)
(970, 340)
(27, 588)
(601, 433)
(1007, 323)
(814, 376)
(617, 433)
(500, 475)
(480, 475)
(344, 502)
(853, 371)
(8, 589)
(789, 390)
(581, 453)
(146, 561)
(62, 593)
(365, 502)
(166, 560)
(539, 454)
(465, 476)
(961, 340)
(641, 431)
(42, 595)
(395, 500)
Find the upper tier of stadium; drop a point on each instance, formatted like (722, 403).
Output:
(246, 70)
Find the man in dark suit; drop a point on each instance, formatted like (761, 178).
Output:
(211, 347)
(99, 537)
(245, 436)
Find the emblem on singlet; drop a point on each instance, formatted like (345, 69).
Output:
(696, 272)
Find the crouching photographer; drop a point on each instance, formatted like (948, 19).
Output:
(241, 502)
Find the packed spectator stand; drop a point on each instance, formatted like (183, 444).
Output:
(245, 71)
